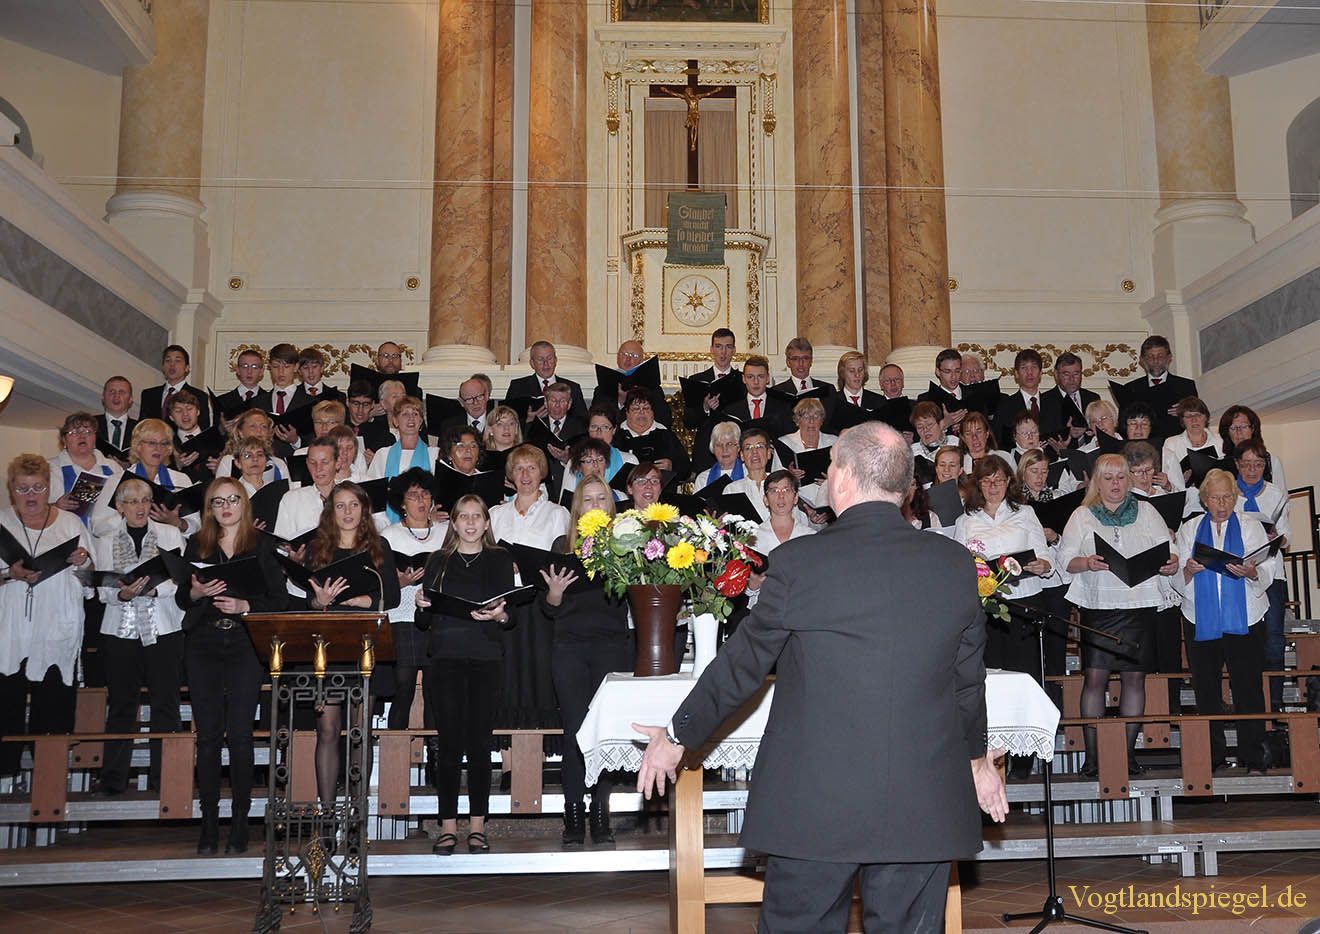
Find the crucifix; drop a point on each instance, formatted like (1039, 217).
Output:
(692, 93)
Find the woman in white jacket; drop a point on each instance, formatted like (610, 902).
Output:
(142, 630)
(1223, 613)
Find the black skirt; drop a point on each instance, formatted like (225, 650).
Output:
(1133, 625)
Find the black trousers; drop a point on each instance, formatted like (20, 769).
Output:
(1167, 638)
(224, 682)
(130, 666)
(405, 689)
(1245, 658)
(464, 692)
(35, 707)
(804, 895)
(578, 668)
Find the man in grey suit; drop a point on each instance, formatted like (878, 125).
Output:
(878, 635)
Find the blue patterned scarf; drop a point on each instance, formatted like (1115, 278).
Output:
(1221, 599)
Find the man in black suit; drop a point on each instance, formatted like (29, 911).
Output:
(113, 425)
(175, 365)
(1027, 367)
(474, 397)
(723, 345)
(799, 355)
(1063, 424)
(555, 431)
(544, 360)
(629, 356)
(313, 388)
(903, 717)
(758, 406)
(1159, 388)
(947, 391)
(248, 394)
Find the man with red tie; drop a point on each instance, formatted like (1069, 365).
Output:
(1159, 388)
(1027, 368)
(773, 414)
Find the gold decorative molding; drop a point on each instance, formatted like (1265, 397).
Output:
(1101, 359)
(638, 305)
(235, 283)
(337, 358)
(1128, 285)
(612, 98)
(754, 299)
(768, 119)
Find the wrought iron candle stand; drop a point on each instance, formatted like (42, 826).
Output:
(316, 853)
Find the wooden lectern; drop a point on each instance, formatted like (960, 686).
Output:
(317, 852)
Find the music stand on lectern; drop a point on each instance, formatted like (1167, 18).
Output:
(1054, 908)
(316, 853)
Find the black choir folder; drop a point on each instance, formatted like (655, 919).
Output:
(49, 562)
(447, 604)
(729, 388)
(1218, 561)
(1136, 569)
(357, 570)
(156, 570)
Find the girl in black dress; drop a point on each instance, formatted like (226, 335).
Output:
(346, 529)
(466, 658)
(591, 640)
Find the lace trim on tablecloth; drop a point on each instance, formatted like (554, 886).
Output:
(626, 756)
(1023, 741)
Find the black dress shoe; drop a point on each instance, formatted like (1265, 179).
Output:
(444, 846)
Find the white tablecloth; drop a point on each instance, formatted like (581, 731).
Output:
(1021, 719)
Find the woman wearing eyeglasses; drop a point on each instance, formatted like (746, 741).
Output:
(78, 456)
(254, 423)
(40, 614)
(648, 439)
(1223, 616)
(224, 676)
(151, 450)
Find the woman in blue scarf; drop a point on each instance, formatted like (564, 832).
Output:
(1222, 612)
(151, 450)
(1268, 502)
(724, 438)
(408, 452)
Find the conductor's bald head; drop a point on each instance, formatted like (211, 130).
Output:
(869, 462)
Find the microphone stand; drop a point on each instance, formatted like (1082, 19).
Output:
(1054, 910)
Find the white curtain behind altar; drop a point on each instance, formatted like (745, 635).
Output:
(667, 154)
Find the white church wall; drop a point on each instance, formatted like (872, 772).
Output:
(1049, 158)
(73, 114)
(319, 152)
(1264, 103)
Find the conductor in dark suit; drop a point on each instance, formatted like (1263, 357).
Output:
(544, 360)
(860, 691)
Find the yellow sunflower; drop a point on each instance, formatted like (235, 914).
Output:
(985, 586)
(660, 512)
(681, 556)
(592, 522)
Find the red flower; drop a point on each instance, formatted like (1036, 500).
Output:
(749, 556)
(733, 579)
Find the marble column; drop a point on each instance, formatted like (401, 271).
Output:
(914, 155)
(459, 327)
(501, 208)
(557, 179)
(157, 202)
(826, 291)
(1200, 222)
(872, 179)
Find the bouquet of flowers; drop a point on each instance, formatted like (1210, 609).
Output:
(993, 577)
(708, 557)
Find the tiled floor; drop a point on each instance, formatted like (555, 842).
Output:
(636, 902)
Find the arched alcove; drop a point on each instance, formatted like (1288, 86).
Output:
(1303, 142)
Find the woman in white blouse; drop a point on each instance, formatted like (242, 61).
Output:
(530, 518)
(755, 451)
(808, 415)
(1033, 477)
(40, 614)
(79, 456)
(724, 438)
(1240, 424)
(151, 450)
(142, 632)
(786, 523)
(1268, 502)
(1131, 525)
(1223, 614)
(996, 524)
(1196, 436)
(978, 442)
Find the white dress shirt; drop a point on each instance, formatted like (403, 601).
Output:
(795, 443)
(1176, 448)
(543, 522)
(1271, 500)
(1102, 590)
(1007, 532)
